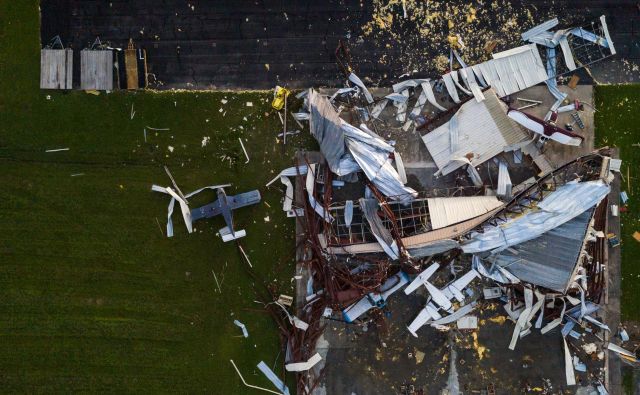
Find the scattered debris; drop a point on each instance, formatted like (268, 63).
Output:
(252, 386)
(217, 283)
(303, 366)
(285, 300)
(240, 325)
(273, 378)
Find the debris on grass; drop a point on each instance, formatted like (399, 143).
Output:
(239, 324)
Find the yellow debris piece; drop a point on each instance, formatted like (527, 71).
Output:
(279, 99)
(498, 319)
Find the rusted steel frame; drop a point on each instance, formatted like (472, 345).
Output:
(343, 58)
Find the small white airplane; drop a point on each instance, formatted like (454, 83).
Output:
(375, 299)
(545, 129)
(440, 299)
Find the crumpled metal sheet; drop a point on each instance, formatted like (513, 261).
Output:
(348, 148)
(369, 208)
(325, 126)
(184, 207)
(358, 82)
(560, 206)
(273, 378)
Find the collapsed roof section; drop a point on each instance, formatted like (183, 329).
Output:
(426, 226)
(550, 211)
(549, 260)
(549, 231)
(348, 149)
(477, 132)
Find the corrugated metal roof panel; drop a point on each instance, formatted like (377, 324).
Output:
(483, 130)
(448, 211)
(549, 260)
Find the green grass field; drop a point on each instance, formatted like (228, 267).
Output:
(617, 119)
(92, 296)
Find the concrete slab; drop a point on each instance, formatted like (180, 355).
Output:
(374, 359)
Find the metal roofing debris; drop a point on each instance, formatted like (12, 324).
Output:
(508, 72)
(624, 197)
(325, 126)
(250, 385)
(504, 180)
(452, 210)
(348, 149)
(477, 133)
(240, 325)
(615, 164)
(622, 352)
(550, 259)
(624, 336)
(284, 179)
(568, 364)
(273, 378)
(303, 366)
(358, 82)
(184, 207)
(369, 208)
(96, 69)
(557, 208)
(536, 30)
(310, 185)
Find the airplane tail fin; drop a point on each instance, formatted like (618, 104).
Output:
(226, 234)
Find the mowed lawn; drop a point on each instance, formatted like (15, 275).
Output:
(93, 296)
(618, 124)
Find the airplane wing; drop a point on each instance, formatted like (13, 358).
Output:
(428, 314)
(243, 199)
(422, 277)
(438, 296)
(206, 211)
